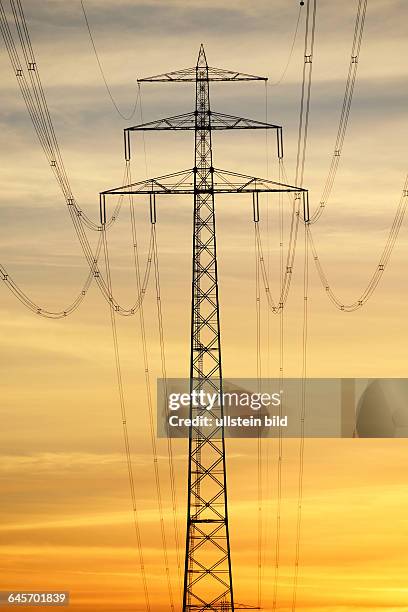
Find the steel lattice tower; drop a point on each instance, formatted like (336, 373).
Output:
(208, 578)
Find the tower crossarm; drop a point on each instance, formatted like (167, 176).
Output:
(216, 121)
(189, 75)
(219, 121)
(183, 183)
(224, 181)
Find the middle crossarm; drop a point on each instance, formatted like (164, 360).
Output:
(224, 182)
(216, 121)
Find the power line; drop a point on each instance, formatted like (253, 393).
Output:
(125, 428)
(345, 111)
(300, 167)
(347, 100)
(305, 93)
(150, 399)
(43, 311)
(280, 438)
(283, 74)
(285, 285)
(277, 306)
(302, 416)
(380, 266)
(259, 439)
(34, 97)
(37, 106)
(126, 117)
(159, 302)
(159, 312)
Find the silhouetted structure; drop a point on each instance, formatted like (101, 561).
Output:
(208, 577)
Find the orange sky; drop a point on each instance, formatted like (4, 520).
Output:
(65, 506)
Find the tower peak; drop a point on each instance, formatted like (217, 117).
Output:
(202, 59)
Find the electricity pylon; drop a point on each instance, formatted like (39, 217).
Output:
(208, 576)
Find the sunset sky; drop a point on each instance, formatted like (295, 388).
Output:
(66, 520)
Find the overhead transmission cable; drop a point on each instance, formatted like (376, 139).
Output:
(277, 306)
(72, 306)
(93, 261)
(122, 402)
(302, 417)
(286, 281)
(34, 97)
(341, 133)
(164, 377)
(309, 42)
(283, 74)
(310, 27)
(149, 397)
(302, 135)
(41, 310)
(101, 70)
(379, 268)
(277, 309)
(309, 243)
(264, 461)
(39, 113)
(268, 339)
(280, 437)
(159, 312)
(305, 93)
(345, 111)
(259, 433)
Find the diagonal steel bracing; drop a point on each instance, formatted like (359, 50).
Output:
(208, 577)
